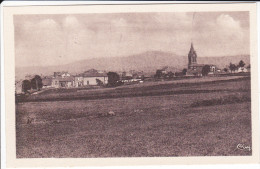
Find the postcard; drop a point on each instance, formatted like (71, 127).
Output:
(102, 85)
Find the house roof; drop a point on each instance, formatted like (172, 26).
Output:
(92, 73)
(65, 79)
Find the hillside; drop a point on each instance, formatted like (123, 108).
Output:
(147, 62)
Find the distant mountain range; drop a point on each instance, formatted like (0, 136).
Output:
(147, 62)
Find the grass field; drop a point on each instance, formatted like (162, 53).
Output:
(183, 86)
(152, 125)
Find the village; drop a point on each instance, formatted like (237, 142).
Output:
(140, 88)
(100, 78)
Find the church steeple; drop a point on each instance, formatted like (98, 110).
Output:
(191, 47)
(192, 56)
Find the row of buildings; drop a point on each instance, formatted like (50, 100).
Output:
(91, 77)
(64, 79)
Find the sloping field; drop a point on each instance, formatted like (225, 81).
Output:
(162, 125)
(185, 86)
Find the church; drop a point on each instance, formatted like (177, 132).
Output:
(194, 68)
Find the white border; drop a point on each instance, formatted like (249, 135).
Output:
(36, 3)
(258, 41)
(3, 143)
(18, 3)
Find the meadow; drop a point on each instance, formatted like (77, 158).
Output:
(164, 119)
(183, 86)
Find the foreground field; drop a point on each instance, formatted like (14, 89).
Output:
(162, 125)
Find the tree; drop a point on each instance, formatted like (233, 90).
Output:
(241, 63)
(158, 74)
(99, 82)
(225, 70)
(142, 77)
(205, 70)
(232, 67)
(36, 82)
(26, 85)
(170, 75)
(113, 78)
(249, 66)
(184, 71)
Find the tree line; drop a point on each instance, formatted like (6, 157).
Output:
(35, 83)
(233, 67)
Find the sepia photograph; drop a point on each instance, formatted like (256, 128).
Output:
(133, 84)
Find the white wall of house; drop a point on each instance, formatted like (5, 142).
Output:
(55, 83)
(92, 80)
(69, 84)
(242, 69)
(105, 80)
(78, 81)
(45, 87)
(18, 89)
(212, 68)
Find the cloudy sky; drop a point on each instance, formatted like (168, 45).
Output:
(44, 40)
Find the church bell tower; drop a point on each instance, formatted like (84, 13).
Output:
(192, 57)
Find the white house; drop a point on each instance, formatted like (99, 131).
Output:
(60, 82)
(92, 80)
(241, 69)
(18, 87)
(90, 77)
(213, 69)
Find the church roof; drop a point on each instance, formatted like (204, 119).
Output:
(192, 50)
(191, 47)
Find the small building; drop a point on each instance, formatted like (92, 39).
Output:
(78, 80)
(19, 87)
(65, 82)
(213, 69)
(90, 78)
(242, 69)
